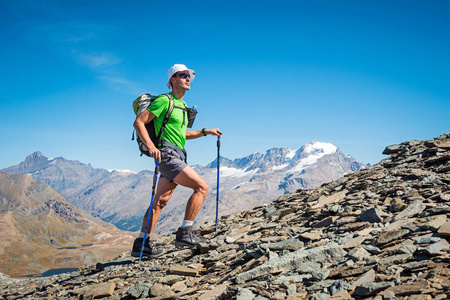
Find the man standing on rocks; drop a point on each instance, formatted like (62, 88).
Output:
(172, 160)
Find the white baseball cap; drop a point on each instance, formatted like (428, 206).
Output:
(178, 68)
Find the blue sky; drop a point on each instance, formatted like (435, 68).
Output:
(359, 74)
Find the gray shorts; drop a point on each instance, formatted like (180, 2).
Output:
(171, 163)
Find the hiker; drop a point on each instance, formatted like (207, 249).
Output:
(171, 155)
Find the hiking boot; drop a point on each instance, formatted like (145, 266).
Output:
(188, 237)
(149, 250)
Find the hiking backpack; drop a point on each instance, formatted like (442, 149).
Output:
(142, 103)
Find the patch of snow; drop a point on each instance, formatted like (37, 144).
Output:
(291, 153)
(327, 148)
(121, 171)
(239, 185)
(279, 167)
(324, 149)
(233, 172)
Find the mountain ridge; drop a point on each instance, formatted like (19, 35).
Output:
(122, 198)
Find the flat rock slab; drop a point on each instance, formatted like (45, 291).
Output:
(183, 270)
(214, 293)
(413, 209)
(445, 229)
(354, 242)
(409, 288)
(293, 260)
(100, 290)
(323, 200)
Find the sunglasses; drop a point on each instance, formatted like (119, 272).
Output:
(184, 75)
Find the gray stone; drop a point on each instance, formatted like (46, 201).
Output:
(371, 288)
(413, 209)
(394, 259)
(319, 274)
(293, 278)
(140, 290)
(407, 249)
(436, 248)
(294, 260)
(358, 254)
(427, 240)
(371, 215)
(290, 244)
(392, 149)
(366, 278)
(338, 286)
(245, 294)
(372, 249)
(432, 223)
(307, 267)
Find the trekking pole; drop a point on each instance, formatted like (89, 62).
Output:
(155, 178)
(218, 169)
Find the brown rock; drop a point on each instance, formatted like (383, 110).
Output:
(334, 198)
(297, 296)
(386, 237)
(396, 205)
(409, 288)
(178, 286)
(343, 295)
(100, 290)
(445, 229)
(183, 270)
(161, 290)
(215, 293)
(313, 236)
(354, 242)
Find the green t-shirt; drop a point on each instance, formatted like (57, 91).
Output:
(175, 131)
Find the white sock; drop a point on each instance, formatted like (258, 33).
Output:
(187, 223)
(141, 235)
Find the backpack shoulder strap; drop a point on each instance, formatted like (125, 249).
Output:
(170, 109)
(166, 117)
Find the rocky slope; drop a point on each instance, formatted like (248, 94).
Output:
(41, 231)
(380, 233)
(121, 198)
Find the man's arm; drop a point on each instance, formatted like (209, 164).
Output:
(139, 124)
(193, 134)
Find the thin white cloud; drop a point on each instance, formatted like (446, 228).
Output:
(83, 42)
(76, 38)
(96, 60)
(120, 83)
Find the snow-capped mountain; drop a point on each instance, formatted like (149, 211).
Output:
(122, 197)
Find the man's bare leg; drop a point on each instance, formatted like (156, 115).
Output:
(164, 191)
(189, 178)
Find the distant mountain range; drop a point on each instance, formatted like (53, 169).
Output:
(41, 231)
(121, 198)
